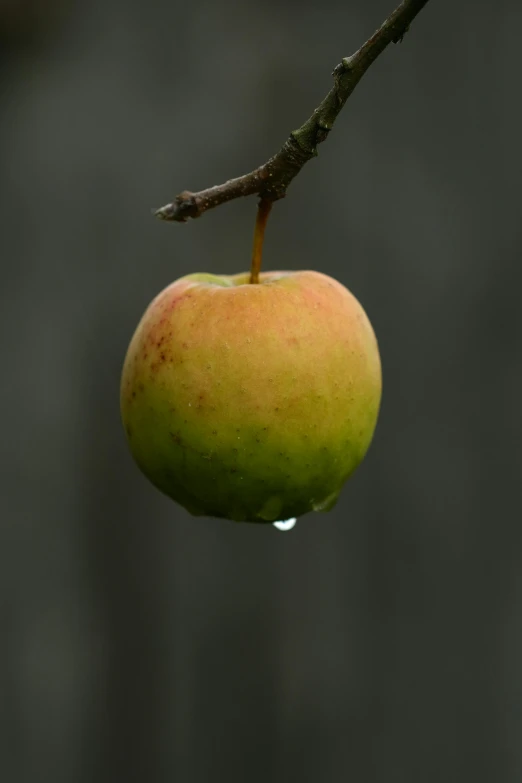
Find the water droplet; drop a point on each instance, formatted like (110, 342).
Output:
(327, 503)
(286, 524)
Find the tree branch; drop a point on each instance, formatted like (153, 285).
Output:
(272, 179)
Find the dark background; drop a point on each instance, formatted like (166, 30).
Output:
(381, 643)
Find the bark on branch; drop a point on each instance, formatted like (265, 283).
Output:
(271, 180)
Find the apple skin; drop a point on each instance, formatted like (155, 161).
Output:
(252, 402)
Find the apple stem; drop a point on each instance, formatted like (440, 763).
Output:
(263, 211)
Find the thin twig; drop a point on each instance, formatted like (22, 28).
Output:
(272, 179)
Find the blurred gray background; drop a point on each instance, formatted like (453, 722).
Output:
(381, 643)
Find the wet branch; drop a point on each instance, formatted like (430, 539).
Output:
(272, 179)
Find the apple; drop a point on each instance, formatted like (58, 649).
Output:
(252, 402)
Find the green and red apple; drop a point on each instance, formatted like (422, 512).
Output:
(252, 402)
